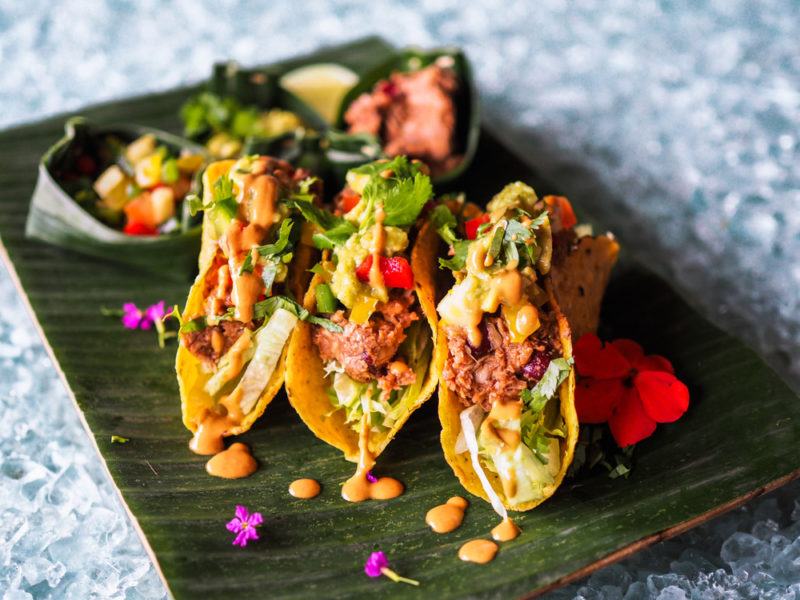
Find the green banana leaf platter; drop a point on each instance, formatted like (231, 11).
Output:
(738, 439)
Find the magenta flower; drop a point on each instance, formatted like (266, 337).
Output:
(134, 318)
(155, 312)
(244, 526)
(377, 564)
(371, 478)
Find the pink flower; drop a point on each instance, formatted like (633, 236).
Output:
(377, 564)
(134, 318)
(371, 478)
(244, 526)
(155, 312)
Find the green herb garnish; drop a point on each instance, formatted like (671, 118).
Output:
(265, 308)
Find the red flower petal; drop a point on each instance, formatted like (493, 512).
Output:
(654, 362)
(663, 396)
(629, 349)
(592, 360)
(630, 423)
(595, 399)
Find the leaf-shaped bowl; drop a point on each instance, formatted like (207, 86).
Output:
(466, 99)
(257, 87)
(57, 218)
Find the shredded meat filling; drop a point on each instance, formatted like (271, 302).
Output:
(413, 113)
(367, 352)
(203, 345)
(499, 369)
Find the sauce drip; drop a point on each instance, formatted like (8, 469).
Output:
(358, 488)
(238, 241)
(234, 463)
(378, 247)
(304, 488)
(478, 551)
(448, 516)
(207, 439)
(509, 438)
(506, 531)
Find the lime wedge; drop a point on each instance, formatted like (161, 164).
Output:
(321, 86)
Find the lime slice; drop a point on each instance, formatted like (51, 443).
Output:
(321, 86)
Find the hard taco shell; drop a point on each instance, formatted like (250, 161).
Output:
(306, 385)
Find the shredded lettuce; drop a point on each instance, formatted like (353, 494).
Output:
(357, 398)
(242, 347)
(269, 343)
(533, 464)
(471, 419)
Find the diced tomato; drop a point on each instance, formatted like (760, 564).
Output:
(471, 226)
(362, 270)
(396, 272)
(562, 207)
(349, 199)
(135, 228)
(140, 210)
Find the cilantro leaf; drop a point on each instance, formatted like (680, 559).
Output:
(224, 200)
(536, 397)
(316, 215)
(404, 201)
(196, 324)
(303, 192)
(265, 308)
(403, 193)
(459, 259)
(444, 222)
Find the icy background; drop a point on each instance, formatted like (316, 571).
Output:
(677, 121)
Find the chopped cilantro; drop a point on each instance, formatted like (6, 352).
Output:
(196, 324)
(265, 308)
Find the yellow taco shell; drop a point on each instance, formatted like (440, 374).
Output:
(192, 378)
(306, 385)
(450, 409)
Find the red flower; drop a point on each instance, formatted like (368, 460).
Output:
(620, 385)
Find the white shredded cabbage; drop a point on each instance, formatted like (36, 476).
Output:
(471, 419)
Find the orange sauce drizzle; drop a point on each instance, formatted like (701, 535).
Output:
(447, 517)
(234, 463)
(506, 531)
(304, 488)
(358, 488)
(478, 551)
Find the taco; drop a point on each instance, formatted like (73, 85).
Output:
(504, 352)
(356, 387)
(240, 312)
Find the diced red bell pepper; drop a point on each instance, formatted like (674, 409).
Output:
(471, 226)
(395, 270)
(563, 208)
(136, 228)
(349, 199)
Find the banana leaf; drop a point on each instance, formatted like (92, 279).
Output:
(57, 218)
(466, 100)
